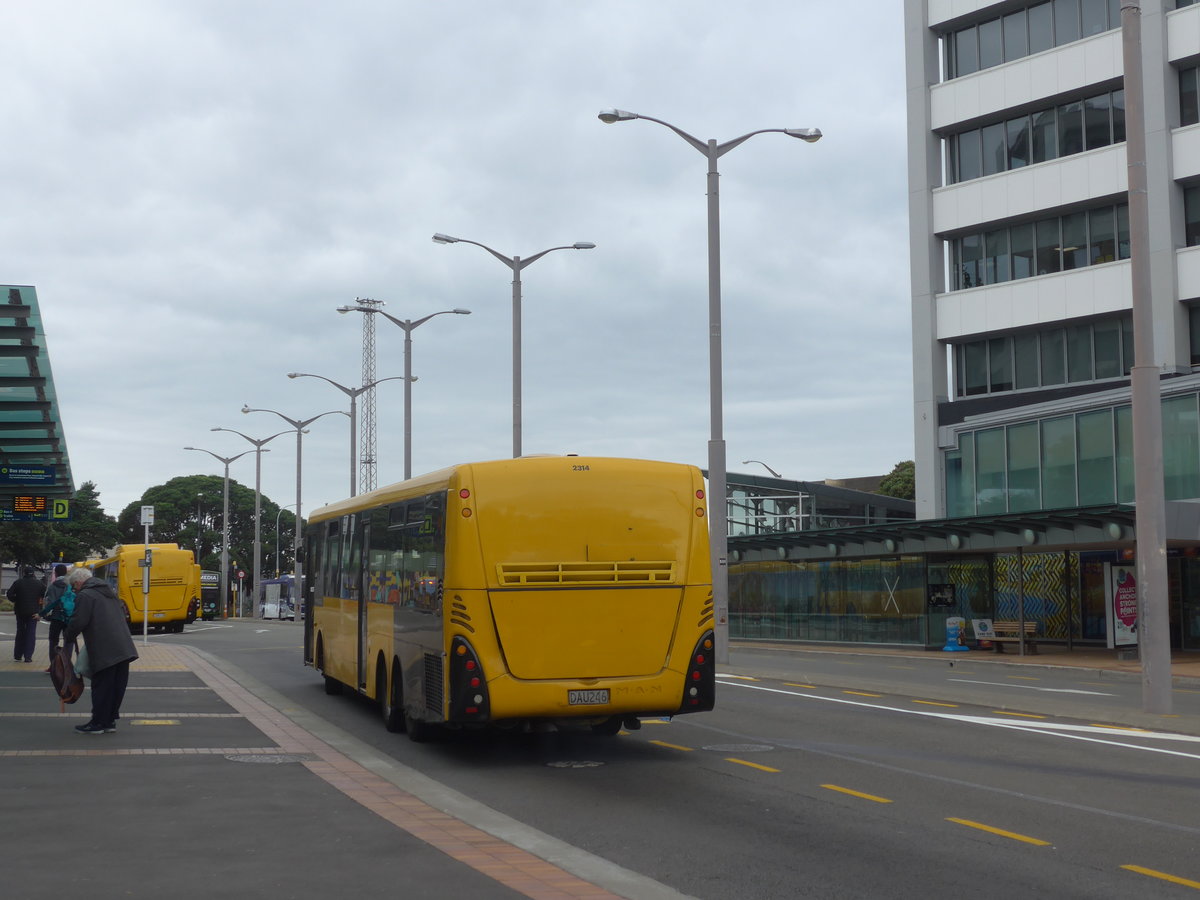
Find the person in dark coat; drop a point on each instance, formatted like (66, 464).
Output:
(53, 611)
(26, 595)
(100, 618)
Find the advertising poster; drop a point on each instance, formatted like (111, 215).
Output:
(1121, 588)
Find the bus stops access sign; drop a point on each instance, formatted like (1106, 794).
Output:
(27, 475)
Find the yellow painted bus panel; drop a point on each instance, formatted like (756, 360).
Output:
(174, 582)
(588, 633)
(512, 698)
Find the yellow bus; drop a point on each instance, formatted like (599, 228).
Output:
(174, 598)
(562, 590)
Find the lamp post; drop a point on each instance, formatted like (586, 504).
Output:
(515, 263)
(409, 325)
(718, 512)
(258, 452)
(353, 394)
(299, 425)
(224, 525)
(746, 462)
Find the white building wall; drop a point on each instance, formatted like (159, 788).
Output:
(938, 107)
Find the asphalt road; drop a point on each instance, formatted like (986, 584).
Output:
(827, 779)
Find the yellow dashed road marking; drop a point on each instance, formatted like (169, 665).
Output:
(842, 790)
(1001, 832)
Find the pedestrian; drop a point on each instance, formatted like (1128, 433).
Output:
(100, 618)
(54, 611)
(26, 595)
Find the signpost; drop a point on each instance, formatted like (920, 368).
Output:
(145, 564)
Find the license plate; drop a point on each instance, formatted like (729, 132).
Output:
(587, 698)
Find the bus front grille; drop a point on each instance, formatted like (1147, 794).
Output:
(618, 572)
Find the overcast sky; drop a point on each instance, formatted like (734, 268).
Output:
(194, 187)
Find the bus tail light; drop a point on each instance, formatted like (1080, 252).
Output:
(468, 688)
(700, 685)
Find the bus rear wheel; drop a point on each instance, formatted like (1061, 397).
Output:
(390, 703)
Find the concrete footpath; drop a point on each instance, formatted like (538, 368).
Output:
(213, 783)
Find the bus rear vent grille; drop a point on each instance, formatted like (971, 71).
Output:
(637, 571)
(434, 691)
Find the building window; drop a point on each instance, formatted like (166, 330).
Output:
(1072, 241)
(1093, 351)
(1087, 124)
(1023, 32)
(1079, 459)
(1189, 103)
(1191, 215)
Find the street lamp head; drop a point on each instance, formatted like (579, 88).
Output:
(461, 312)
(608, 116)
(345, 309)
(293, 374)
(191, 448)
(808, 135)
(245, 407)
(440, 238)
(583, 245)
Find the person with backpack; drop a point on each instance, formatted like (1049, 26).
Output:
(100, 618)
(26, 595)
(60, 605)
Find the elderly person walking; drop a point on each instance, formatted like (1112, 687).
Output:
(100, 618)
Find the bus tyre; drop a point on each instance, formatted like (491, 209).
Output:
(333, 687)
(608, 727)
(418, 730)
(393, 715)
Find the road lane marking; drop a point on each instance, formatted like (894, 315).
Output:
(1031, 687)
(859, 794)
(1024, 838)
(1004, 712)
(1023, 677)
(791, 684)
(1062, 730)
(742, 762)
(935, 703)
(1164, 876)
(672, 746)
(740, 677)
(862, 694)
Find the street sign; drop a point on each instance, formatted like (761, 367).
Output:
(27, 475)
(147, 515)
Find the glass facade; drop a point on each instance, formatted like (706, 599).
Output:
(1080, 459)
(1021, 32)
(1092, 351)
(1036, 137)
(1085, 238)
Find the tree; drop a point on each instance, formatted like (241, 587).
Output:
(901, 482)
(188, 509)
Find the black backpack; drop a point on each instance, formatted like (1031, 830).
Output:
(67, 684)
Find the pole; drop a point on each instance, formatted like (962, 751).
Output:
(717, 509)
(353, 445)
(297, 574)
(225, 585)
(1154, 636)
(516, 354)
(146, 586)
(408, 327)
(257, 515)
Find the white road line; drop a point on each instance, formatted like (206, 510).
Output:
(1032, 687)
(1051, 729)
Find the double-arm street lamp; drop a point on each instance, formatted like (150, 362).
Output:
(300, 426)
(353, 393)
(516, 263)
(224, 525)
(409, 325)
(718, 511)
(258, 452)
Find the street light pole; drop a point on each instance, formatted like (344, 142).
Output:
(746, 462)
(718, 501)
(224, 525)
(353, 394)
(258, 452)
(409, 326)
(299, 425)
(515, 263)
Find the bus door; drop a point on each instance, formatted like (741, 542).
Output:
(352, 587)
